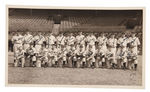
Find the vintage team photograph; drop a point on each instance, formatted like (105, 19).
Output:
(75, 47)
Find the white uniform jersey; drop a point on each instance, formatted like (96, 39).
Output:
(50, 39)
(17, 39)
(44, 54)
(112, 42)
(80, 39)
(28, 39)
(81, 51)
(102, 44)
(134, 42)
(61, 40)
(90, 54)
(91, 40)
(122, 41)
(19, 54)
(122, 55)
(31, 51)
(39, 39)
(63, 54)
(70, 40)
(102, 41)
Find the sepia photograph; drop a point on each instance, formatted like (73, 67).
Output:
(75, 47)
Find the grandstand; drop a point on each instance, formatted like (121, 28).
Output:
(73, 20)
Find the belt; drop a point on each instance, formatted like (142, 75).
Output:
(18, 43)
(26, 43)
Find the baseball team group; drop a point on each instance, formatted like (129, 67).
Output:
(76, 51)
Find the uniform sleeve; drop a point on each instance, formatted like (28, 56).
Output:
(12, 39)
(138, 42)
(118, 41)
(44, 39)
(94, 38)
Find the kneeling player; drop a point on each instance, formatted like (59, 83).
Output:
(110, 59)
(81, 61)
(100, 57)
(90, 57)
(122, 57)
(44, 56)
(132, 60)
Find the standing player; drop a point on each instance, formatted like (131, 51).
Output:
(70, 40)
(19, 57)
(133, 46)
(17, 40)
(28, 38)
(102, 49)
(80, 40)
(112, 43)
(39, 39)
(50, 40)
(61, 40)
(91, 39)
(122, 49)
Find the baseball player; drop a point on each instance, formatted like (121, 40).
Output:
(90, 57)
(112, 43)
(81, 59)
(19, 57)
(110, 59)
(17, 40)
(55, 54)
(122, 48)
(44, 56)
(61, 40)
(72, 56)
(64, 57)
(122, 57)
(50, 40)
(133, 46)
(91, 39)
(132, 59)
(39, 39)
(51, 56)
(28, 39)
(31, 53)
(80, 40)
(70, 40)
(102, 49)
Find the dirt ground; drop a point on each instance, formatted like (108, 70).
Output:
(71, 76)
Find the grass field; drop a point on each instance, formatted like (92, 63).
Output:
(77, 76)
